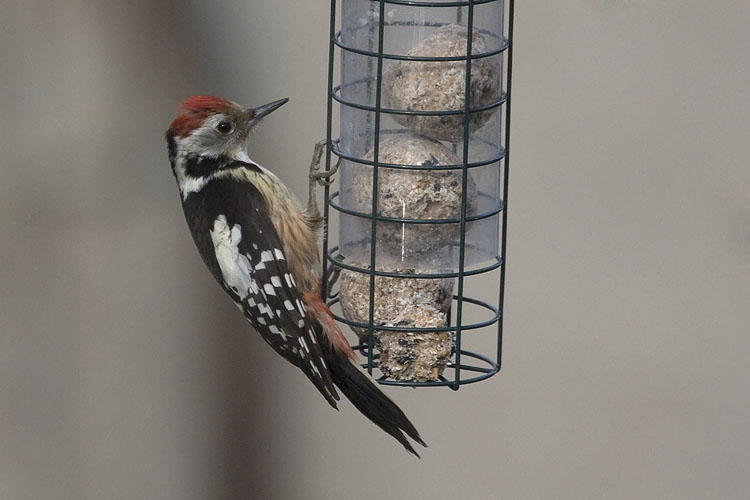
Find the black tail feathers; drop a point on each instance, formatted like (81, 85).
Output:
(367, 397)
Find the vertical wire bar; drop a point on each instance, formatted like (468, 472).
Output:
(506, 163)
(368, 97)
(329, 123)
(464, 197)
(375, 189)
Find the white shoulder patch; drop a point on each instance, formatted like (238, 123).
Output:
(235, 267)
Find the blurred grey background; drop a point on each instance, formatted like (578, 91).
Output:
(126, 374)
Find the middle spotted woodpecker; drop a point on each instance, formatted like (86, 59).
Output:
(263, 250)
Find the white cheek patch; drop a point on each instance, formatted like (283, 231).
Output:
(235, 267)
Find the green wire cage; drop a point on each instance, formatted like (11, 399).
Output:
(419, 125)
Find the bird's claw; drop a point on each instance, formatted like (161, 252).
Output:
(322, 178)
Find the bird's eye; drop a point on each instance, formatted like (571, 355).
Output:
(224, 127)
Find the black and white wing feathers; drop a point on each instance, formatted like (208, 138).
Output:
(244, 252)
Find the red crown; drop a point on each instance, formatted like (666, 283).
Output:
(195, 109)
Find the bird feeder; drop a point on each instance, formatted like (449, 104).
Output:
(421, 92)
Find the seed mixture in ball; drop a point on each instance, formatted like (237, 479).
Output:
(407, 302)
(440, 85)
(414, 194)
(415, 356)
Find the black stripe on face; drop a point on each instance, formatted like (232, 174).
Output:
(198, 166)
(172, 149)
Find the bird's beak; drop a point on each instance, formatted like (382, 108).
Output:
(261, 111)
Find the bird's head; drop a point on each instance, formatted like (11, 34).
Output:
(209, 134)
(212, 126)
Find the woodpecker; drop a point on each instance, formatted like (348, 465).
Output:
(262, 248)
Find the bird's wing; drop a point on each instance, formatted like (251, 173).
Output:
(254, 271)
